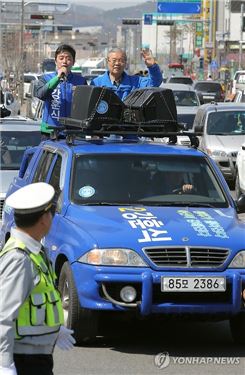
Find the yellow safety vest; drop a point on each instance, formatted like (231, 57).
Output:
(42, 312)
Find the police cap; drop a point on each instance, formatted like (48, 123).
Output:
(33, 198)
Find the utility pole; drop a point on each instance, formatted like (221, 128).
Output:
(241, 38)
(21, 76)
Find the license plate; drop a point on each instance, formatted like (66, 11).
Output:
(208, 97)
(193, 284)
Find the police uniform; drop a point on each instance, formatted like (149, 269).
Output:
(31, 313)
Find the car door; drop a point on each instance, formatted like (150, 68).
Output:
(56, 178)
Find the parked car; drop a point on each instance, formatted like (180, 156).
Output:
(187, 103)
(28, 77)
(180, 79)
(16, 135)
(8, 101)
(34, 106)
(240, 171)
(124, 239)
(210, 91)
(222, 129)
(238, 82)
(239, 97)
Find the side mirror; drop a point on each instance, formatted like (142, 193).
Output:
(240, 203)
(198, 128)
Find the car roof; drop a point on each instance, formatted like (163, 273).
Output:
(221, 106)
(123, 147)
(18, 120)
(178, 87)
(207, 81)
(19, 128)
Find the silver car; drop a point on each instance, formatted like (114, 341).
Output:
(16, 135)
(221, 127)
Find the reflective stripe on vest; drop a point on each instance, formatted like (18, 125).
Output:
(42, 312)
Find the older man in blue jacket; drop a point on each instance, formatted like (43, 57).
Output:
(122, 83)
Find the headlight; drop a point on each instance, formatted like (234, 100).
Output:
(113, 257)
(219, 153)
(238, 261)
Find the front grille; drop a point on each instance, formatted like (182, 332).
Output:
(159, 297)
(1, 207)
(187, 257)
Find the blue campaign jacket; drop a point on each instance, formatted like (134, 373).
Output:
(57, 97)
(130, 82)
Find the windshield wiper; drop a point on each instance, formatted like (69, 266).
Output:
(108, 204)
(196, 204)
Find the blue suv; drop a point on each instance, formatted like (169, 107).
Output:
(140, 227)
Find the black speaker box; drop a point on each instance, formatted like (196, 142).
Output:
(96, 106)
(154, 106)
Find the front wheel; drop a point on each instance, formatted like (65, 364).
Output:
(237, 326)
(84, 322)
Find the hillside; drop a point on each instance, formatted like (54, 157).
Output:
(80, 15)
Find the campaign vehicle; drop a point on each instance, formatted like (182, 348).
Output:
(140, 227)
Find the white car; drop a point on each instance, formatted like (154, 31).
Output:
(8, 101)
(240, 172)
(28, 77)
(187, 103)
(16, 135)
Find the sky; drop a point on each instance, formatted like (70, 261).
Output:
(105, 4)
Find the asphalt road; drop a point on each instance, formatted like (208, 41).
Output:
(174, 347)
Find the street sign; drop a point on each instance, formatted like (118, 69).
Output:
(179, 7)
(148, 18)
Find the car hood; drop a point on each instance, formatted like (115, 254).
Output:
(225, 142)
(6, 177)
(137, 227)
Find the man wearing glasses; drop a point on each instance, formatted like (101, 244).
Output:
(122, 83)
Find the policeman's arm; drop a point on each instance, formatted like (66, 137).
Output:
(16, 283)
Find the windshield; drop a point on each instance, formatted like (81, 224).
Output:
(208, 86)
(145, 179)
(13, 145)
(186, 98)
(226, 123)
(184, 80)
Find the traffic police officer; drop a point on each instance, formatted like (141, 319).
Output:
(31, 314)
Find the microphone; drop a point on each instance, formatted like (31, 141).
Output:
(63, 77)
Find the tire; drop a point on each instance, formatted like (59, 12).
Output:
(237, 187)
(237, 327)
(84, 322)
